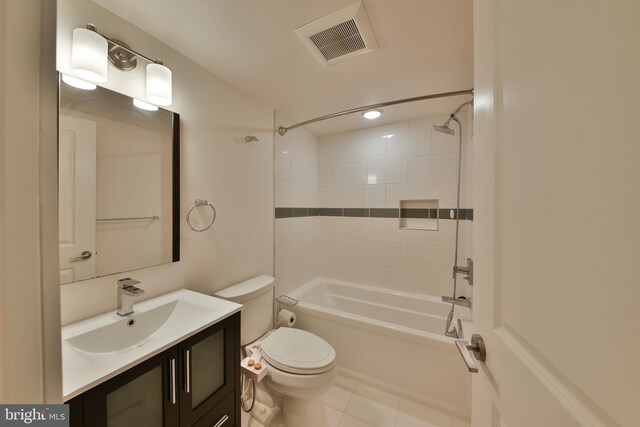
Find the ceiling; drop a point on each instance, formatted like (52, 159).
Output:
(425, 46)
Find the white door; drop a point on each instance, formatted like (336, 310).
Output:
(77, 198)
(557, 198)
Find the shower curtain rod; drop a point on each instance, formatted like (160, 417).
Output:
(282, 130)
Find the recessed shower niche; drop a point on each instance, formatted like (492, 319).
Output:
(419, 214)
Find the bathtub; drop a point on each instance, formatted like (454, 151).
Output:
(389, 339)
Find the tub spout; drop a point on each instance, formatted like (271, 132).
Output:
(458, 301)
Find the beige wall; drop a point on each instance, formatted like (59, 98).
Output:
(29, 292)
(215, 165)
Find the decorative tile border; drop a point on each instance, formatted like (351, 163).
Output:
(384, 213)
(443, 214)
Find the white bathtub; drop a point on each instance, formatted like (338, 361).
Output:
(389, 339)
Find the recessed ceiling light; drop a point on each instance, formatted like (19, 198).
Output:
(77, 83)
(144, 105)
(372, 114)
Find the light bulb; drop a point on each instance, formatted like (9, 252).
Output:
(372, 114)
(77, 83)
(144, 105)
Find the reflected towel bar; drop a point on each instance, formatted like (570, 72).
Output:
(133, 218)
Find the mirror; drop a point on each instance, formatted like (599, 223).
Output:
(118, 184)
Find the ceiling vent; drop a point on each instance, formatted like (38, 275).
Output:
(340, 35)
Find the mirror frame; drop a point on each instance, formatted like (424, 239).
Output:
(175, 181)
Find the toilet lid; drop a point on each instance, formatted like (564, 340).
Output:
(298, 352)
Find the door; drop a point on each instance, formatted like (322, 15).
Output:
(556, 194)
(77, 198)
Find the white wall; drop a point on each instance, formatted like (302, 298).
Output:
(29, 293)
(376, 168)
(296, 186)
(215, 164)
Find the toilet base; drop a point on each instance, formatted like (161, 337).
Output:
(272, 409)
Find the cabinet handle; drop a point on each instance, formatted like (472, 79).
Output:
(187, 371)
(221, 421)
(172, 381)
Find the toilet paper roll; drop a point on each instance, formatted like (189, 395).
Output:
(286, 318)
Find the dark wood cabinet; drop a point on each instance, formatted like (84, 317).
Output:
(139, 396)
(194, 383)
(209, 373)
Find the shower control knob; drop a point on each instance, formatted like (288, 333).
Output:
(469, 349)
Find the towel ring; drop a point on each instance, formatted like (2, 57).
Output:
(197, 203)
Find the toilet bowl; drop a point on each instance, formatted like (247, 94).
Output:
(301, 366)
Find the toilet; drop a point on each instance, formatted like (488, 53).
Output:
(301, 366)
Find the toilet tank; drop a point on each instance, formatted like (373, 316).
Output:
(256, 296)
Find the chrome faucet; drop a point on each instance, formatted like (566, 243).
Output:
(126, 292)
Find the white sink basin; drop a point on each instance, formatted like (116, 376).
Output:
(99, 348)
(136, 330)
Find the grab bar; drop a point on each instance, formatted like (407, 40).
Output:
(132, 218)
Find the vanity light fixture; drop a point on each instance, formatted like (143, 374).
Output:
(91, 50)
(372, 114)
(144, 105)
(158, 84)
(77, 83)
(89, 55)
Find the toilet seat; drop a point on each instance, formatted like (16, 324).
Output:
(298, 352)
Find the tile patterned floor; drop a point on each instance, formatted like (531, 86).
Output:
(352, 404)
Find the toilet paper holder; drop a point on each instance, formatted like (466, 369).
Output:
(283, 301)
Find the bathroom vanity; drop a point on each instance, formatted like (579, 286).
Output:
(172, 363)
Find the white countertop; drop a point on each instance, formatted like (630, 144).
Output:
(194, 312)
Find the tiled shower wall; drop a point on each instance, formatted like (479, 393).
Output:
(376, 168)
(373, 169)
(296, 182)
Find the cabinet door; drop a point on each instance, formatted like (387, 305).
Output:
(143, 396)
(209, 362)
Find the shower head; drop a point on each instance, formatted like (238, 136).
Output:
(445, 129)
